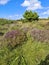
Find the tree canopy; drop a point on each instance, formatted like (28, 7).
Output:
(30, 16)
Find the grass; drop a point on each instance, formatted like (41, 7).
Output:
(33, 52)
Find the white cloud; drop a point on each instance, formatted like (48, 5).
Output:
(46, 12)
(3, 2)
(26, 3)
(32, 4)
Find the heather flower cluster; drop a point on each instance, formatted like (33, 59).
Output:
(15, 37)
(25, 29)
(40, 35)
(12, 34)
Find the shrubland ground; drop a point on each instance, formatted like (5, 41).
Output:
(32, 51)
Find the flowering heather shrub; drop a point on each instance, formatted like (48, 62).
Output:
(25, 29)
(14, 38)
(40, 35)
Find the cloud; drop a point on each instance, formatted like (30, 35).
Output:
(32, 4)
(26, 3)
(46, 12)
(3, 2)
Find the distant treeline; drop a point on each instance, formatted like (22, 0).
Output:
(6, 21)
(43, 19)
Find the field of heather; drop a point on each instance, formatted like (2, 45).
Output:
(24, 43)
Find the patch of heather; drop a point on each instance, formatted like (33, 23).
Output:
(12, 34)
(25, 29)
(15, 37)
(40, 35)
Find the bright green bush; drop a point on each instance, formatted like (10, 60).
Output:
(30, 16)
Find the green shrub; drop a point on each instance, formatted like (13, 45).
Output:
(45, 62)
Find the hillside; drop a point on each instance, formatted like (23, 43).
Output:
(32, 48)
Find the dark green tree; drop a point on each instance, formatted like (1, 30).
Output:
(30, 16)
(48, 17)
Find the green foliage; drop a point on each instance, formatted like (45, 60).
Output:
(46, 61)
(27, 54)
(48, 17)
(30, 16)
(5, 21)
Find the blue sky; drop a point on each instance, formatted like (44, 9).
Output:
(14, 9)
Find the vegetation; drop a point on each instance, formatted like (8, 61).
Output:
(46, 61)
(40, 35)
(30, 16)
(48, 17)
(24, 43)
(14, 38)
(5, 21)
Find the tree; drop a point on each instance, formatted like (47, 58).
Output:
(30, 16)
(35, 17)
(48, 17)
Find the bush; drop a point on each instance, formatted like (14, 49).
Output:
(40, 35)
(14, 38)
(1, 33)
